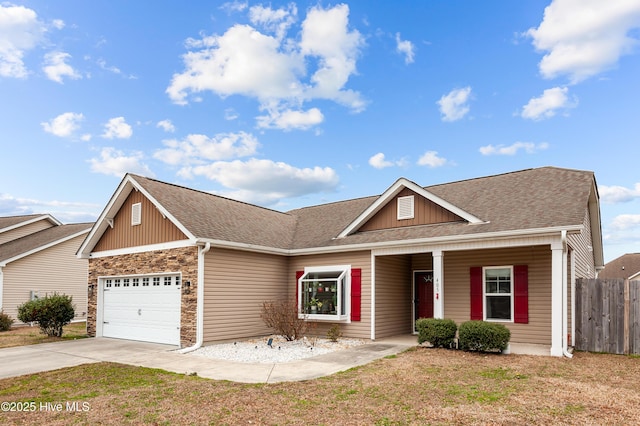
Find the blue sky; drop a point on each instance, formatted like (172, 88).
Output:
(289, 104)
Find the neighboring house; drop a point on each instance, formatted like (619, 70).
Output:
(625, 266)
(174, 265)
(37, 258)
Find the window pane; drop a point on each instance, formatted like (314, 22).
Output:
(499, 307)
(323, 293)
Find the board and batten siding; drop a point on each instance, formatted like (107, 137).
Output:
(154, 228)
(25, 230)
(362, 260)
(55, 269)
(394, 305)
(456, 290)
(425, 212)
(236, 283)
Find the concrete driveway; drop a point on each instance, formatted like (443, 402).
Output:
(31, 359)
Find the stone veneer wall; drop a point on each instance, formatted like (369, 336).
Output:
(184, 260)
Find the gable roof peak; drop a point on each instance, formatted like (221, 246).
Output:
(394, 190)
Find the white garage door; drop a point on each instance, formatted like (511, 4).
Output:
(142, 308)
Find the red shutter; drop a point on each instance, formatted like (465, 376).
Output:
(521, 294)
(356, 294)
(476, 292)
(298, 275)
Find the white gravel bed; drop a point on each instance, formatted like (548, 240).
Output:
(258, 351)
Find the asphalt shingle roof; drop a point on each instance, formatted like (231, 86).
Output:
(622, 267)
(528, 199)
(38, 239)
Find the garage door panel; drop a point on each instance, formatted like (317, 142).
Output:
(149, 313)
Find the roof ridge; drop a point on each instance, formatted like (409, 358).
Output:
(206, 193)
(508, 173)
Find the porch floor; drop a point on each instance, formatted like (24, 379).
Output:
(515, 348)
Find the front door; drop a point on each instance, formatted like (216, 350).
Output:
(423, 294)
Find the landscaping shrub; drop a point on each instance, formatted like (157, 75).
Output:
(439, 332)
(5, 321)
(282, 316)
(483, 336)
(50, 312)
(334, 333)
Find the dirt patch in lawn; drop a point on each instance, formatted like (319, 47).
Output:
(420, 386)
(26, 335)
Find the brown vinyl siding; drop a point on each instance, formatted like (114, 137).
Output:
(425, 212)
(582, 243)
(25, 230)
(393, 296)
(456, 290)
(422, 262)
(362, 259)
(236, 283)
(154, 228)
(55, 269)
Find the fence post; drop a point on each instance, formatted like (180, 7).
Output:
(626, 316)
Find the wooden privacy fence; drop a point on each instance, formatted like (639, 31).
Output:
(608, 315)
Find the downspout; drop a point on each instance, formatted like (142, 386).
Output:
(565, 316)
(200, 301)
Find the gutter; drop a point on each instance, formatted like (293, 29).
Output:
(202, 250)
(565, 316)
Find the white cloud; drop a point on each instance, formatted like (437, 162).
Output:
(56, 68)
(267, 182)
(20, 31)
(63, 125)
(453, 105)
(431, 159)
(547, 104)
(378, 161)
(117, 128)
(626, 221)
(528, 147)
(618, 194)
(230, 114)
(234, 6)
(199, 149)
(166, 125)
(116, 163)
(280, 73)
(405, 48)
(276, 21)
(583, 38)
(288, 120)
(66, 211)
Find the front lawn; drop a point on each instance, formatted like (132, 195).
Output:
(418, 387)
(26, 335)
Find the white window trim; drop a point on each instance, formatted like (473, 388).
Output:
(484, 294)
(136, 214)
(406, 203)
(346, 318)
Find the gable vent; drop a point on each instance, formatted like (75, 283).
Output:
(136, 214)
(405, 207)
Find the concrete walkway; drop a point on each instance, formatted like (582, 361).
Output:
(22, 360)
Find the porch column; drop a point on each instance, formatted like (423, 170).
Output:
(556, 298)
(438, 285)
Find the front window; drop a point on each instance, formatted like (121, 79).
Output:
(323, 293)
(498, 293)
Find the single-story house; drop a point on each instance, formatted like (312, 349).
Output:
(175, 265)
(626, 266)
(37, 258)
